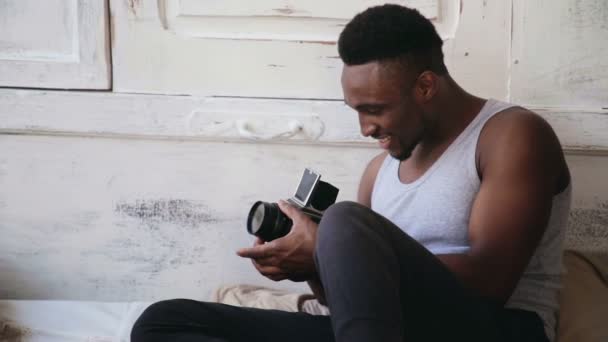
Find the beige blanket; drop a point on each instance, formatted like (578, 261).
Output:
(267, 298)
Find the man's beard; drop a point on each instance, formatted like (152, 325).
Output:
(404, 153)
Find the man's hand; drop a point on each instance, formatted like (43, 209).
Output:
(289, 257)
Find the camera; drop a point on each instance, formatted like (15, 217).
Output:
(312, 197)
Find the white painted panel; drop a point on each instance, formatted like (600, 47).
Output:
(578, 129)
(478, 56)
(560, 53)
(310, 8)
(177, 117)
(223, 119)
(114, 219)
(54, 44)
(54, 38)
(257, 50)
(315, 20)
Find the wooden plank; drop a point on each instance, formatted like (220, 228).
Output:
(222, 119)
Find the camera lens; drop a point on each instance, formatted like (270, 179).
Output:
(257, 219)
(267, 221)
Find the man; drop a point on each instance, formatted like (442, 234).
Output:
(463, 238)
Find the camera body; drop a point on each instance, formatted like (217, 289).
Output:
(312, 197)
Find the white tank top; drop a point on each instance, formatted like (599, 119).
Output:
(435, 209)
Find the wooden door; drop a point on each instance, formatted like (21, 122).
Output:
(269, 48)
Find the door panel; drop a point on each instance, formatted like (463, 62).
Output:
(54, 44)
(270, 48)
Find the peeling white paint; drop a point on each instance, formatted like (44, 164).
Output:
(112, 219)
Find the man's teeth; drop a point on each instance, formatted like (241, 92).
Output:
(384, 139)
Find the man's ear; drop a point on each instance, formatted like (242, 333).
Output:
(427, 85)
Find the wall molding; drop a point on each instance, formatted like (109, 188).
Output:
(136, 116)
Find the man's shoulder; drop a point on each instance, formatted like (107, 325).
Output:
(516, 127)
(373, 167)
(376, 162)
(519, 118)
(368, 179)
(518, 139)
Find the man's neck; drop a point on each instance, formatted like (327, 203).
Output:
(453, 112)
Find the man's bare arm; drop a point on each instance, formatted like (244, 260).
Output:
(522, 168)
(366, 186)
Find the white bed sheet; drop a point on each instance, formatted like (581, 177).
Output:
(69, 321)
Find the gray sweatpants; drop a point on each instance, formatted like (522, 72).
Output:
(380, 285)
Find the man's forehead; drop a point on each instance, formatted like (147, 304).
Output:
(375, 72)
(368, 84)
(360, 71)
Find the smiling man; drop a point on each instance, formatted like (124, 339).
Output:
(458, 228)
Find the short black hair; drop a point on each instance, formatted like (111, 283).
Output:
(389, 32)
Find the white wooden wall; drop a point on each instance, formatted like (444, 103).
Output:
(140, 191)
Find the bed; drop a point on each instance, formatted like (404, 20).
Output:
(69, 321)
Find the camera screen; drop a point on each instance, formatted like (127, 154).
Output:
(307, 183)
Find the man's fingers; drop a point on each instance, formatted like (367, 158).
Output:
(271, 272)
(292, 212)
(256, 252)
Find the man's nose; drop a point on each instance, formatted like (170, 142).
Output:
(367, 128)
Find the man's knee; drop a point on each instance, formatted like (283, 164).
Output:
(338, 223)
(343, 214)
(151, 317)
(160, 317)
(344, 209)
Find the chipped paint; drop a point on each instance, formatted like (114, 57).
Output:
(153, 212)
(134, 6)
(12, 333)
(289, 10)
(286, 10)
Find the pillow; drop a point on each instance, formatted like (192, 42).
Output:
(584, 298)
